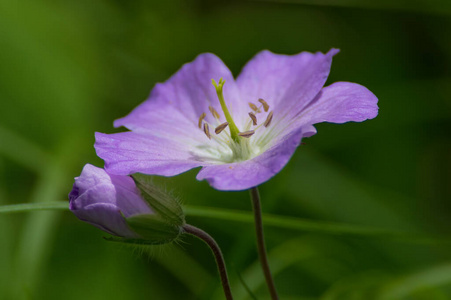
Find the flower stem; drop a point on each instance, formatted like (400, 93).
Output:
(256, 205)
(199, 233)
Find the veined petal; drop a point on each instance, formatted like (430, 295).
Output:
(339, 103)
(250, 173)
(180, 101)
(308, 131)
(105, 217)
(286, 82)
(103, 200)
(130, 152)
(94, 184)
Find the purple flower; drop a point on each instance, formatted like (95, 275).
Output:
(242, 132)
(103, 200)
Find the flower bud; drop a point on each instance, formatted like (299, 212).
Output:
(114, 204)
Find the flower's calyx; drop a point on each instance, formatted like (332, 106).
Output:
(163, 225)
(161, 202)
(154, 229)
(233, 129)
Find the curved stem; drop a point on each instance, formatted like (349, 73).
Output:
(255, 196)
(199, 233)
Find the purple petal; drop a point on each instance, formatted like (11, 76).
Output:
(105, 217)
(308, 131)
(250, 173)
(339, 103)
(129, 152)
(101, 199)
(177, 104)
(286, 82)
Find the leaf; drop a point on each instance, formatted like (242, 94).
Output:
(25, 207)
(285, 222)
(403, 287)
(22, 150)
(288, 222)
(424, 6)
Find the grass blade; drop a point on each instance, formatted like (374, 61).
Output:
(26, 207)
(283, 222)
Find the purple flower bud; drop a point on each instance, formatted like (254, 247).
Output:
(104, 200)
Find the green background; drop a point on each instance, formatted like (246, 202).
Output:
(69, 68)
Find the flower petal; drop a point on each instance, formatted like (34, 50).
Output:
(286, 82)
(102, 200)
(177, 104)
(105, 217)
(94, 185)
(308, 131)
(126, 153)
(250, 173)
(339, 103)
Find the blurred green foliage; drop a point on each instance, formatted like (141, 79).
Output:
(69, 68)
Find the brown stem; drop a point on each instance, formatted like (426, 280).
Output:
(199, 233)
(256, 205)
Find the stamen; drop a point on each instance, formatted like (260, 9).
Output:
(246, 134)
(268, 119)
(221, 127)
(265, 105)
(207, 131)
(201, 118)
(213, 112)
(253, 117)
(254, 107)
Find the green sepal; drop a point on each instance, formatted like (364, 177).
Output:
(163, 204)
(153, 229)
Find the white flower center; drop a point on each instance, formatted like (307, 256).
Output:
(227, 143)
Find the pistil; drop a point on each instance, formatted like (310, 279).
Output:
(233, 129)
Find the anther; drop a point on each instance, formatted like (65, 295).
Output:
(254, 107)
(202, 116)
(265, 105)
(221, 127)
(253, 117)
(268, 119)
(207, 131)
(213, 112)
(246, 134)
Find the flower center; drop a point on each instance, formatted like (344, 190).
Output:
(239, 142)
